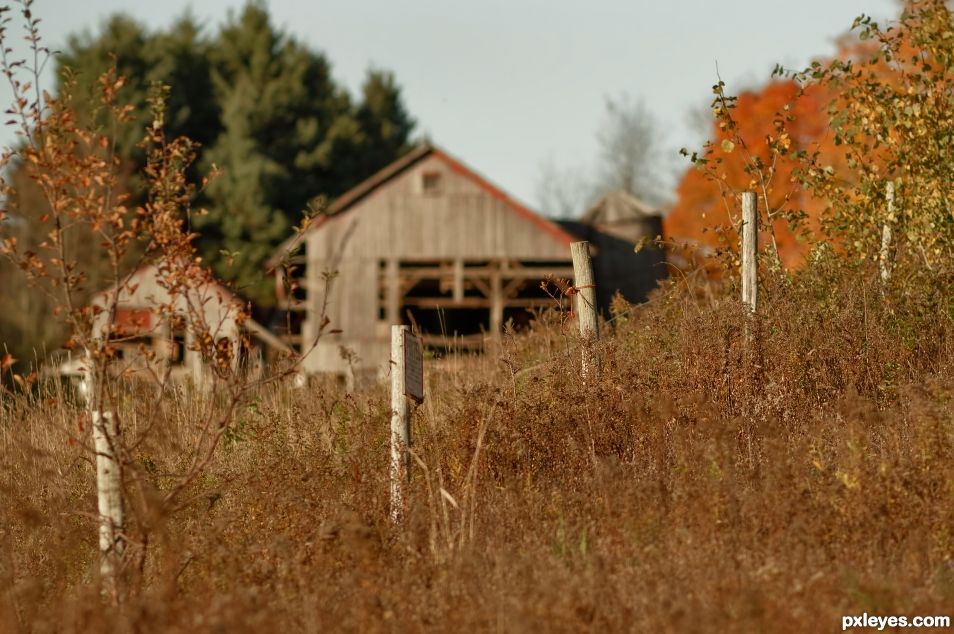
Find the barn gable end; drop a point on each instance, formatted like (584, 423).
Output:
(426, 240)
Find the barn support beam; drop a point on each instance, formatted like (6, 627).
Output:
(496, 302)
(476, 302)
(417, 273)
(493, 287)
(458, 280)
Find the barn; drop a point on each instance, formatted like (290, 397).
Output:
(622, 229)
(426, 241)
(145, 334)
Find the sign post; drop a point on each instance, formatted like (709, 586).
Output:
(407, 381)
(413, 366)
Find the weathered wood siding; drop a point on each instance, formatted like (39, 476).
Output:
(399, 220)
(462, 220)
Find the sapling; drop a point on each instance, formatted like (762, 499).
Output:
(89, 231)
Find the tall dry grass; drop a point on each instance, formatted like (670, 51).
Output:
(703, 485)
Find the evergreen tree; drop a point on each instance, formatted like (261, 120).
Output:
(385, 123)
(284, 123)
(266, 113)
(122, 41)
(178, 58)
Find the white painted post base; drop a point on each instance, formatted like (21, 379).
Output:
(109, 493)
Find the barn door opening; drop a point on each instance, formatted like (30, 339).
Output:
(459, 303)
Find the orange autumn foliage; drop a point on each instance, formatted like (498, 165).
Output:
(707, 213)
(780, 141)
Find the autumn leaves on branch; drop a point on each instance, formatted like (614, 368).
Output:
(821, 145)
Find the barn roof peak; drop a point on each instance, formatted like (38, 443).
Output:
(398, 167)
(618, 207)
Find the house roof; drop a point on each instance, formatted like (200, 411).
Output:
(395, 169)
(618, 207)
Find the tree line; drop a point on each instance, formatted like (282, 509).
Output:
(272, 126)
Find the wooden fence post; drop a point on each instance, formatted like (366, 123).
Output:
(885, 260)
(109, 496)
(750, 247)
(109, 488)
(400, 424)
(586, 306)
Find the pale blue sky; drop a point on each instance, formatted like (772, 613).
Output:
(506, 84)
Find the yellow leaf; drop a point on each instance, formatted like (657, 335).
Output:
(727, 146)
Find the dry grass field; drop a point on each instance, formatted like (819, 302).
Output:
(701, 485)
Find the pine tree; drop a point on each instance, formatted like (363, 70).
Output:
(284, 121)
(266, 113)
(385, 123)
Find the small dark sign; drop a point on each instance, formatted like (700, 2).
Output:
(413, 367)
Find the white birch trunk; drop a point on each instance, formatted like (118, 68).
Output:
(885, 259)
(109, 493)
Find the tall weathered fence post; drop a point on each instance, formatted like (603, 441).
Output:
(407, 382)
(750, 247)
(586, 306)
(885, 259)
(400, 423)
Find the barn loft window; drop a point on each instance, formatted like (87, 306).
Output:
(431, 182)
